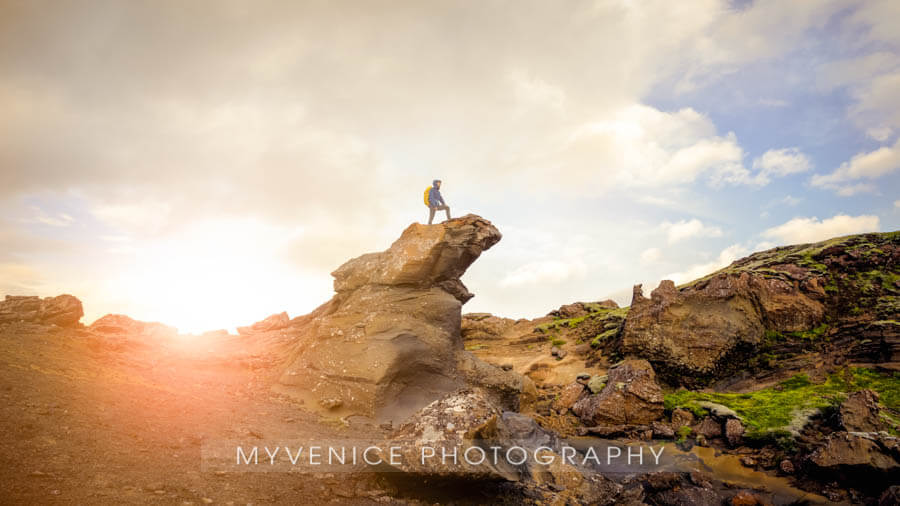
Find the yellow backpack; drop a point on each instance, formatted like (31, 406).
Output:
(427, 193)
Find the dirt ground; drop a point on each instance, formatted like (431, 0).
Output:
(95, 420)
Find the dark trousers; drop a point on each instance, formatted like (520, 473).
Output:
(432, 209)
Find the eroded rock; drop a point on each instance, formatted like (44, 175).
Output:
(389, 342)
(62, 310)
(631, 396)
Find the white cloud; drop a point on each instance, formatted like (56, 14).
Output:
(780, 162)
(651, 255)
(806, 230)
(764, 245)
(726, 256)
(685, 229)
(545, 271)
(871, 165)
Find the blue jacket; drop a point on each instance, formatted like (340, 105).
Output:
(434, 196)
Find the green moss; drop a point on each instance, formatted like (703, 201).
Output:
(603, 336)
(683, 432)
(558, 342)
(770, 410)
(473, 347)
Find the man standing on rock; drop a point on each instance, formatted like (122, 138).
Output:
(436, 201)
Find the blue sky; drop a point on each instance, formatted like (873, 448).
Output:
(208, 166)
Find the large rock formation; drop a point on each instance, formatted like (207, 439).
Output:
(842, 290)
(389, 342)
(631, 396)
(118, 324)
(62, 310)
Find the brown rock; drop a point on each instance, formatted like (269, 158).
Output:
(681, 417)
(62, 310)
(631, 395)
(786, 466)
(690, 333)
(389, 342)
(708, 428)
(274, 322)
(734, 431)
(745, 498)
(662, 430)
(484, 326)
(848, 452)
(860, 412)
(569, 396)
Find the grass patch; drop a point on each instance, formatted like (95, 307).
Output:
(558, 342)
(683, 432)
(598, 340)
(769, 411)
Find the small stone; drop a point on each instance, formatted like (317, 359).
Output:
(745, 498)
(506, 367)
(786, 466)
(206, 500)
(748, 461)
(330, 403)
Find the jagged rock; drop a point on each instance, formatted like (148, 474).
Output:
(389, 342)
(708, 428)
(467, 423)
(123, 325)
(855, 454)
(662, 430)
(681, 417)
(569, 396)
(691, 333)
(860, 412)
(484, 326)
(631, 396)
(734, 431)
(62, 310)
(276, 321)
(774, 301)
(578, 309)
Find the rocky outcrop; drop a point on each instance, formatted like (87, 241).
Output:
(493, 445)
(631, 396)
(123, 325)
(276, 321)
(62, 310)
(842, 291)
(860, 412)
(389, 343)
(860, 458)
(579, 309)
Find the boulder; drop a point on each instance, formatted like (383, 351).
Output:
(708, 428)
(681, 417)
(631, 396)
(734, 431)
(62, 310)
(274, 322)
(860, 412)
(856, 455)
(569, 396)
(700, 332)
(389, 342)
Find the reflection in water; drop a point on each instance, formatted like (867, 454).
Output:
(723, 467)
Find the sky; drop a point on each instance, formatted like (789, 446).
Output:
(206, 164)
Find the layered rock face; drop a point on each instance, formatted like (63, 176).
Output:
(389, 342)
(62, 310)
(631, 396)
(844, 288)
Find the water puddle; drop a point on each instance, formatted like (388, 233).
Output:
(723, 467)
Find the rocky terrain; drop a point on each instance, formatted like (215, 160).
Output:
(772, 381)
